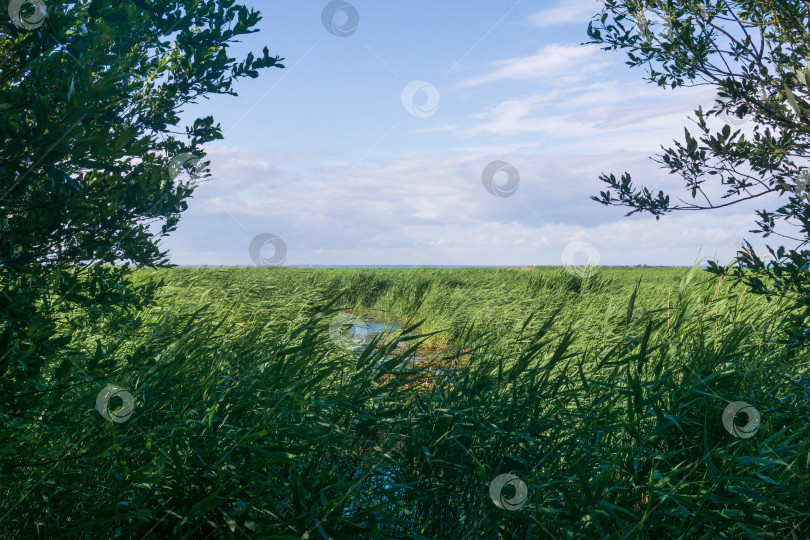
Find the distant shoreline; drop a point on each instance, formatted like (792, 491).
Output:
(336, 266)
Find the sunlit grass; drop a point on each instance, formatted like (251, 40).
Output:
(605, 399)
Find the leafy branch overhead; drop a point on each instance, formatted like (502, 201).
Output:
(91, 104)
(755, 55)
(91, 98)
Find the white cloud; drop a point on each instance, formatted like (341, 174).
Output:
(599, 117)
(560, 64)
(566, 12)
(436, 211)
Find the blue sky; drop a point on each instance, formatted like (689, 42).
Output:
(369, 148)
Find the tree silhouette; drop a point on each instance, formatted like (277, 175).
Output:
(95, 167)
(755, 54)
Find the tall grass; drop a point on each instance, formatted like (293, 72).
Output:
(604, 396)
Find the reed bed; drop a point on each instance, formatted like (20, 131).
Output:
(604, 395)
